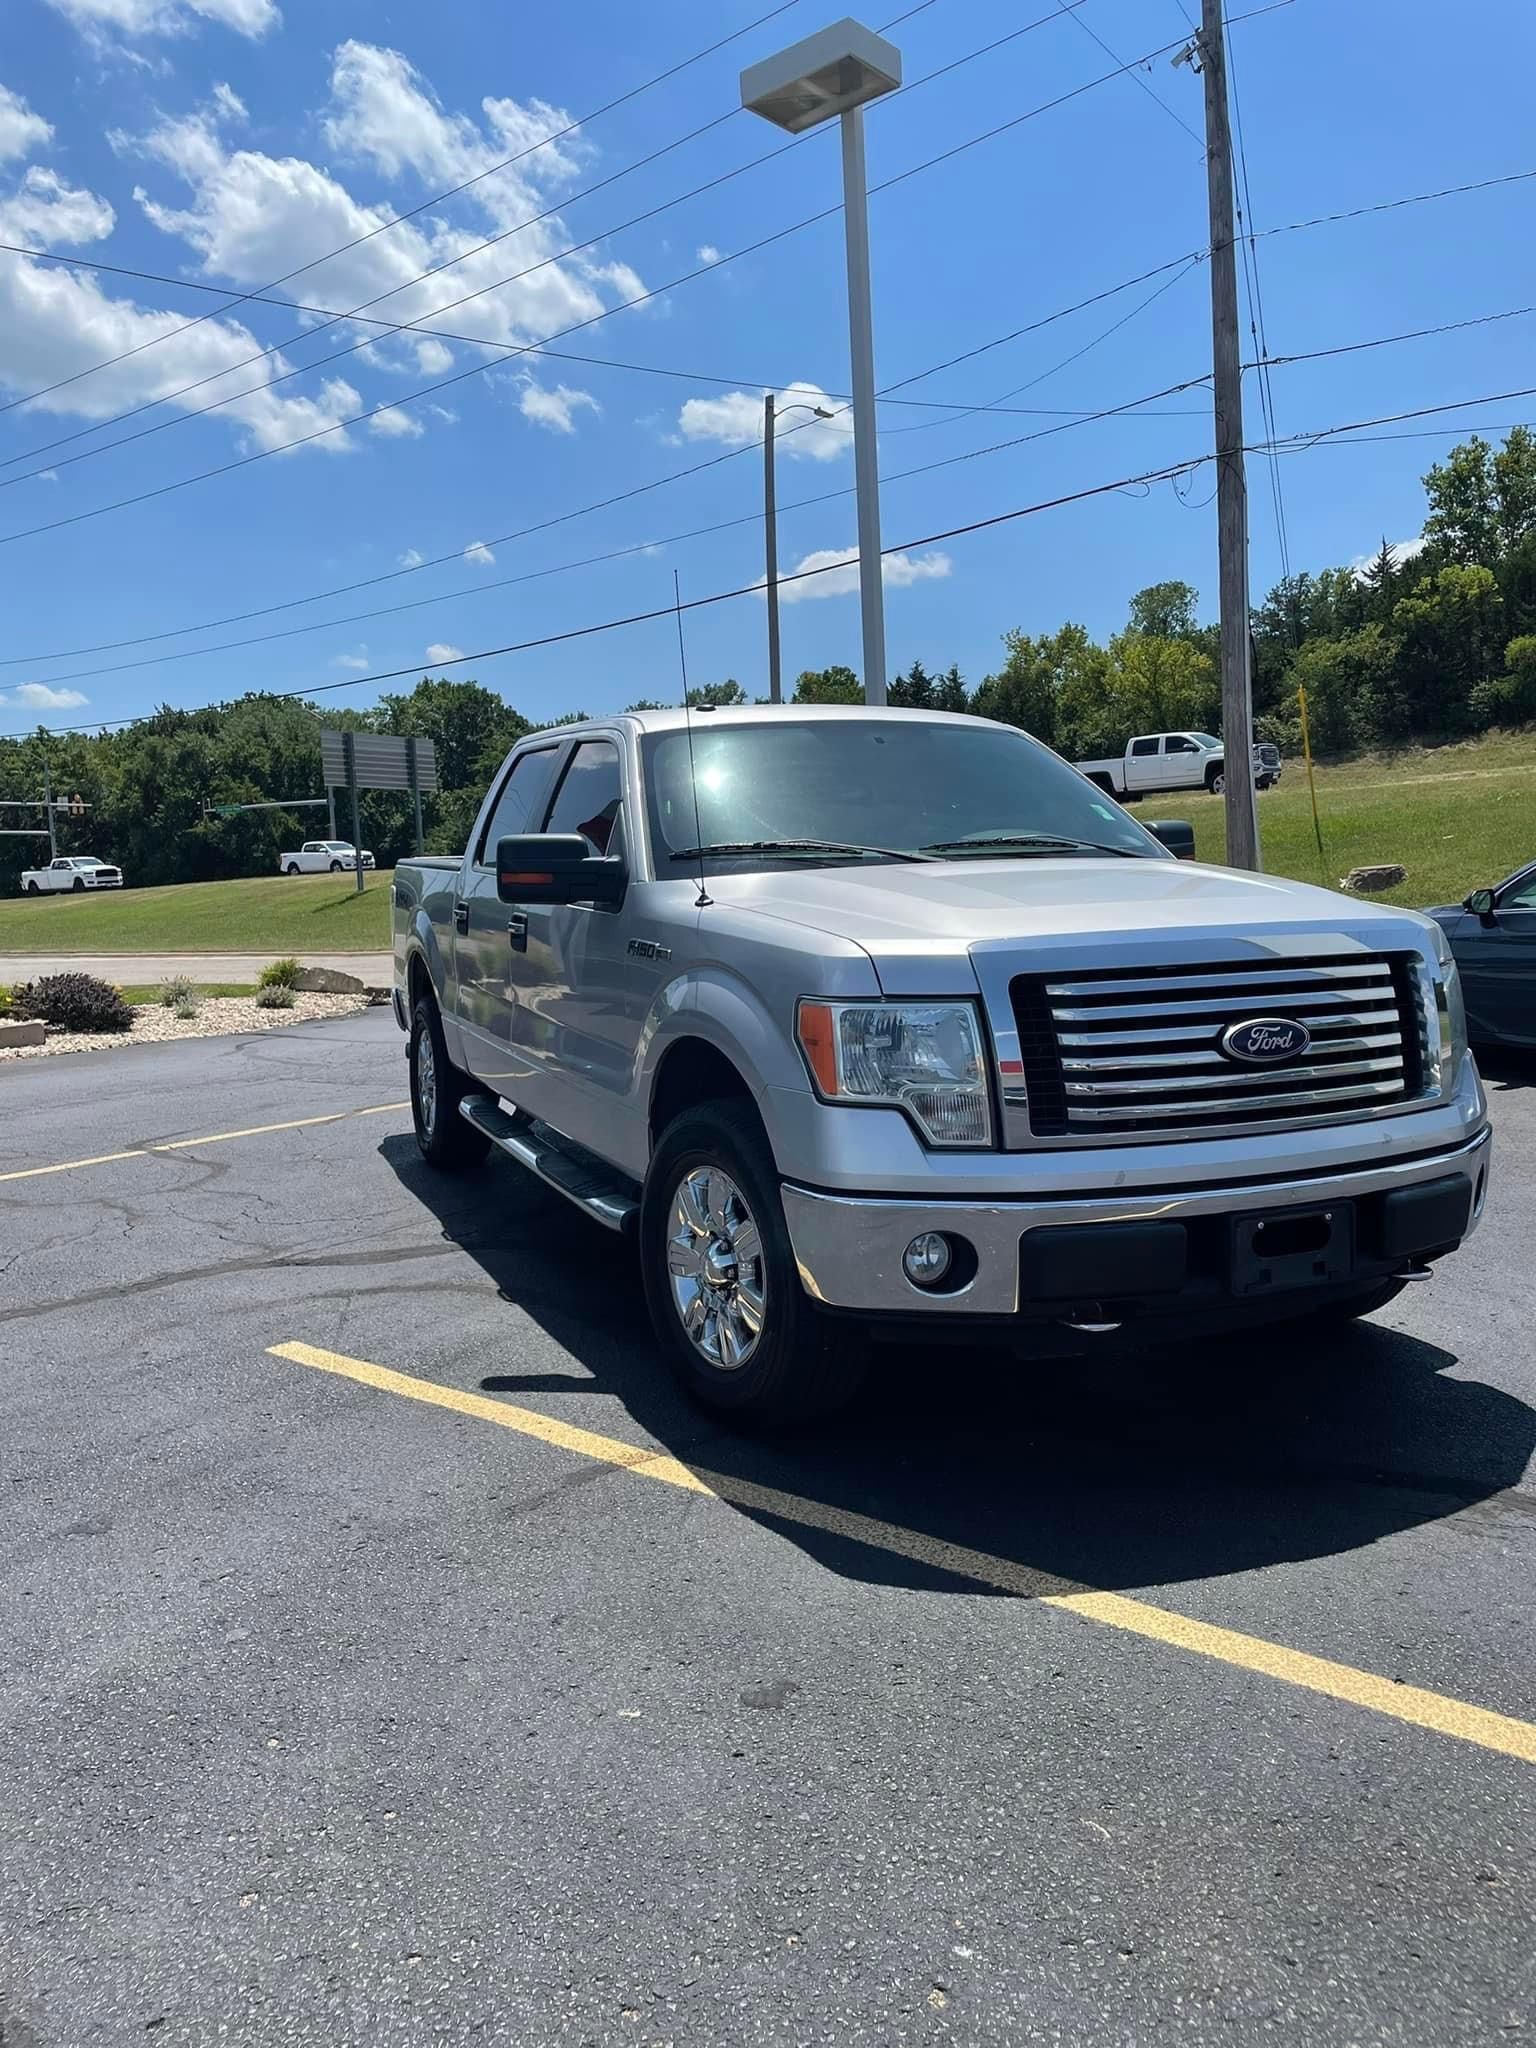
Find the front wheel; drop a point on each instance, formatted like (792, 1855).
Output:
(77, 885)
(443, 1138)
(1216, 783)
(335, 867)
(721, 1282)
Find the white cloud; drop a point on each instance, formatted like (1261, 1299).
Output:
(39, 697)
(736, 419)
(396, 425)
(897, 572)
(167, 17)
(411, 559)
(1405, 550)
(229, 103)
(21, 131)
(356, 662)
(555, 408)
(707, 253)
(42, 208)
(478, 553)
(441, 651)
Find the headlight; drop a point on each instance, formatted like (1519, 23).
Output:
(924, 1058)
(1451, 1012)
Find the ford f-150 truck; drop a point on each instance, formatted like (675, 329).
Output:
(860, 1018)
(1176, 760)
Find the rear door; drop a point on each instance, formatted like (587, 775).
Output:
(1143, 762)
(486, 959)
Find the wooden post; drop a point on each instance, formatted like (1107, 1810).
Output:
(1242, 819)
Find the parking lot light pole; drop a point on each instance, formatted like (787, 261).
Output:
(838, 71)
(771, 533)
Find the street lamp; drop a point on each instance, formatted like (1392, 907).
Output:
(835, 72)
(771, 534)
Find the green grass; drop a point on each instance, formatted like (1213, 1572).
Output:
(267, 914)
(1456, 818)
(146, 994)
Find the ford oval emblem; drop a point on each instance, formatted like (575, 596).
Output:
(1265, 1041)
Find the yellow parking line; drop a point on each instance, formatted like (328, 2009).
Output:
(298, 1123)
(1409, 1703)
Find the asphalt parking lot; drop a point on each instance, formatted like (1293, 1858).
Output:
(392, 1657)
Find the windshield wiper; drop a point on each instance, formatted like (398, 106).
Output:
(1013, 841)
(731, 846)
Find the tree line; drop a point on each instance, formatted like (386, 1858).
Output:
(1437, 642)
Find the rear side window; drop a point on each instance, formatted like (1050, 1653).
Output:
(521, 802)
(589, 796)
(1143, 747)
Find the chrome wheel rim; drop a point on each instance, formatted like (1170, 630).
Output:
(426, 1083)
(716, 1268)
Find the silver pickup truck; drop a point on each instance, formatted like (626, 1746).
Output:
(868, 1020)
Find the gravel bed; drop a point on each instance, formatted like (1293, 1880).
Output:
(218, 1017)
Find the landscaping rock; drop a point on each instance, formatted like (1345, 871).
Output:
(328, 981)
(1367, 881)
(28, 1031)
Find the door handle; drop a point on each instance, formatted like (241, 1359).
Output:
(517, 931)
(461, 917)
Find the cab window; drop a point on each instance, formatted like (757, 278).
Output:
(589, 796)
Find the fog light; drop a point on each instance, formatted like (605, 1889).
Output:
(927, 1258)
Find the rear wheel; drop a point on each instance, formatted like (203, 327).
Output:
(292, 868)
(443, 1138)
(720, 1278)
(34, 889)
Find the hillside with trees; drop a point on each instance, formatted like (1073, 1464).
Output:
(1429, 643)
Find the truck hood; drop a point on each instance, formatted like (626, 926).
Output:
(911, 919)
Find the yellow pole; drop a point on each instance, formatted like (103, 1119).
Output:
(1306, 748)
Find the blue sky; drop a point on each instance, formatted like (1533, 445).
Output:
(226, 141)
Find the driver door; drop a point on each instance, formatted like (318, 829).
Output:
(485, 958)
(1497, 957)
(1183, 762)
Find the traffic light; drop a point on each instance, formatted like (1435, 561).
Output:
(77, 805)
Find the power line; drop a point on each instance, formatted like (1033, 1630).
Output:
(600, 505)
(670, 611)
(1348, 348)
(477, 369)
(426, 205)
(1155, 97)
(428, 326)
(593, 561)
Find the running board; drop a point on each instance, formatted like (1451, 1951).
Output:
(602, 1194)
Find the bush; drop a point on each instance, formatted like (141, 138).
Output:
(176, 990)
(275, 995)
(5, 1000)
(281, 974)
(186, 1009)
(75, 1002)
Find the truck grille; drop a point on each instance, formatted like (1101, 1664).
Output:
(1137, 1052)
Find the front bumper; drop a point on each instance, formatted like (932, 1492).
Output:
(849, 1247)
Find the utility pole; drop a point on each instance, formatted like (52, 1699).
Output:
(771, 541)
(1242, 819)
(53, 837)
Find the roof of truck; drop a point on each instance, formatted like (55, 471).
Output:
(672, 718)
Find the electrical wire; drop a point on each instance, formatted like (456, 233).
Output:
(478, 369)
(427, 326)
(425, 206)
(1155, 97)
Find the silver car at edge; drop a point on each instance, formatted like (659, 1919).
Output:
(867, 1020)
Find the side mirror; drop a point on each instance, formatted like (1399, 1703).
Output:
(1177, 834)
(1480, 903)
(555, 867)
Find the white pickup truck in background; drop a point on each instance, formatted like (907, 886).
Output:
(323, 856)
(71, 871)
(1175, 760)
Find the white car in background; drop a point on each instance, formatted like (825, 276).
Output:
(71, 871)
(323, 856)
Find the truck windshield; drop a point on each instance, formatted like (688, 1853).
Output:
(892, 783)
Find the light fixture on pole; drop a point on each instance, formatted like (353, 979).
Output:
(835, 72)
(771, 533)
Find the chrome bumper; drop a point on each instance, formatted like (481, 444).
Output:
(848, 1247)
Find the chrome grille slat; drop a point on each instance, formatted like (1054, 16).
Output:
(1346, 1020)
(1144, 1062)
(1139, 1050)
(1174, 1086)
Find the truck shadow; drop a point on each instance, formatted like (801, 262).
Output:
(1110, 1473)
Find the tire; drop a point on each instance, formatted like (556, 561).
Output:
(292, 868)
(443, 1138)
(33, 889)
(713, 1176)
(335, 867)
(77, 887)
(1216, 782)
